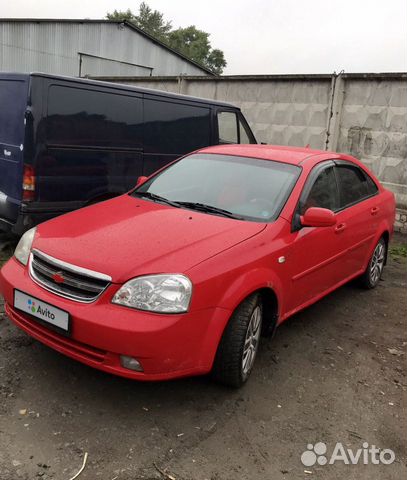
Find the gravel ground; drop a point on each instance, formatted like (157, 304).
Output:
(333, 373)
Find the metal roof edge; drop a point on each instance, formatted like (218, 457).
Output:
(125, 22)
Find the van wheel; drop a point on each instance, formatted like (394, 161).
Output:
(374, 270)
(239, 344)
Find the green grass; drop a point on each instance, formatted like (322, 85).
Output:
(398, 250)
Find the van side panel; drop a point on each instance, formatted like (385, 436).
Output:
(93, 144)
(89, 140)
(173, 128)
(13, 104)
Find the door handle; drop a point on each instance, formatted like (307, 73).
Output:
(340, 228)
(374, 210)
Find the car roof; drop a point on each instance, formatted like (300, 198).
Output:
(278, 153)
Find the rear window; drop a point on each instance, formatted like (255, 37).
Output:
(13, 102)
(84, 117)
(174, 127)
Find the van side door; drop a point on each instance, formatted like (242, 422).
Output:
(93, 144)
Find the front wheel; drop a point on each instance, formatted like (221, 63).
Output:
(374, 270)
(239, 344)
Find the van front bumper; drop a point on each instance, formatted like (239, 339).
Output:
(167, 346)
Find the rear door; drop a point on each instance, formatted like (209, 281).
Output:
(13, 103)
(359, 213)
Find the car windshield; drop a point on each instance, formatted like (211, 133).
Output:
(237, 187)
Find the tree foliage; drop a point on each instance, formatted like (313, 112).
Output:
(148, 20)
(195, 44)
(189, 41)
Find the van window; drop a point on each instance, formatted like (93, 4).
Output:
(175, 127)
(13, 102)
(84, 117)
(227, 125)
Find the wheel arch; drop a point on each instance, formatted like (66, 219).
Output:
(386, 238)
(271, 308)
(270, 304)
(385, 233)
(261, 281)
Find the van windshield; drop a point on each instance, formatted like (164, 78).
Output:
(13, 102)
(238, 187)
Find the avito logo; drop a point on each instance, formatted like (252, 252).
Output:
(44, 312)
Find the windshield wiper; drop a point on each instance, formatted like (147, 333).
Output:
(157, 198)
(202, 207)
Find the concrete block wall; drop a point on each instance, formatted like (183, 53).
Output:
(364, 115)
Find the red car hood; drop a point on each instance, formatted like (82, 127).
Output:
(127, 236)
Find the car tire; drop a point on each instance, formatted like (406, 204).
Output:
(239, 344)
(371, 276)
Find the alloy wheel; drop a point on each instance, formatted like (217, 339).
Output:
(251, 342)
(377, 263)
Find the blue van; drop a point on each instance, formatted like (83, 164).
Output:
(69, 142)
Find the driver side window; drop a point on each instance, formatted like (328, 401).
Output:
(323, 193)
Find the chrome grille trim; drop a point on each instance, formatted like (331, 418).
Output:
(80, 284)
(73, 268)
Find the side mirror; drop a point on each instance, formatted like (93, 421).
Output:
(318, 217)
(141, 180)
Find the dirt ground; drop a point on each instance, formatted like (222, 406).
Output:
(333, 373)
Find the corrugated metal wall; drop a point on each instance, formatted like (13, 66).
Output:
(107, 48)
(361, 114)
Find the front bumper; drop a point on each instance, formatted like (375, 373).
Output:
(167, 346)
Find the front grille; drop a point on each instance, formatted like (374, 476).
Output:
(67, 280)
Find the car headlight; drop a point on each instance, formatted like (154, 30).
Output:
(164, 293)
(23, 249)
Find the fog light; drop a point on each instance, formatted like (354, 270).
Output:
(130, 363)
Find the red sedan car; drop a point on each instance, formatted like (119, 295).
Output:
(182, 275)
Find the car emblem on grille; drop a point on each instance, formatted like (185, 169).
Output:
(58, 277)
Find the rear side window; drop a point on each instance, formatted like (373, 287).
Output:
(84, 117)
(175, 127)
(323, 193)
(232, 129)
(227, 125)
(13, 102)
(354, 185)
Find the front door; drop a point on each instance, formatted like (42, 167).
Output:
(315, 255)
